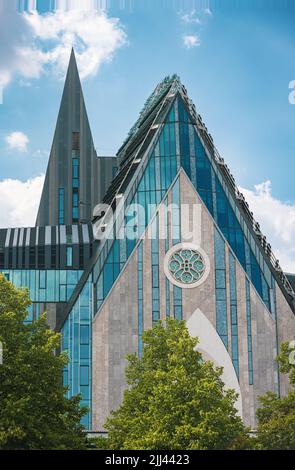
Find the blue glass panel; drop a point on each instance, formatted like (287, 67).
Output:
(84, 334)
(78, 336)
(69, 256)
(220, 285)
(84, 375)
(177, 301)
(249, 332)
(61, 205)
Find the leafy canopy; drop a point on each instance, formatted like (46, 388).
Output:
(175, 400)
(276, 416)
(34, 412)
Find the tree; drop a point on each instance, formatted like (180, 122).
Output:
(276, 416)
(34, 412)
(175, 400)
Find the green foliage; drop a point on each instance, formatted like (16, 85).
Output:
(276, 422)
(276, 416)
(100, 443)
(286, 360)
(34, 412)
(175, 400)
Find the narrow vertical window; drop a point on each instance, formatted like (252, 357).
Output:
(233, 313)
(155, 270)
(61, 206)
(140, 296)
(177, 301)
(75, 172)
(220, 288)
(176, 235)
(75, 206)
(69, 256)
(249, 332)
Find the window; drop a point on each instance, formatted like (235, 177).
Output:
(155, 270)
(69, 256)
(75, 208)
(220, 288)
(84, 334)
(75, 173)
(140, 296)
(84, 375)
(61, 206)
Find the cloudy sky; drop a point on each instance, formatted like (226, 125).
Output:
(236, 60)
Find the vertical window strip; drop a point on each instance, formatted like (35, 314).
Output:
(140, 296)
(75, 205)
(220, 288)
(167, 298)
(249, 332)
(99, 292)
(176, 235)
(234, 313)
(167, 284)
(214, 200)
(177, 138)
(274, 314)
(61, 206)
(192, 155)
(77, 341)
(75, 173)
(177, 302)
(155, 270)
(166, 222)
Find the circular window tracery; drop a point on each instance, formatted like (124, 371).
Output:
(187, 265)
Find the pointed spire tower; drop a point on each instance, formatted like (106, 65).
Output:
(76, 179)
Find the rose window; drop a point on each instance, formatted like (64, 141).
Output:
(187, 266)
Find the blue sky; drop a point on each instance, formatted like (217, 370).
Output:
(235, 59)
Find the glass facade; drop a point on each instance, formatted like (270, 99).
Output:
(77, 342)
(220, 288)
(46, 285)
(202, 169)
(233, 312)
(177, 144)
(249, 332)
(180, 144)
(148, 190)
(177, 302)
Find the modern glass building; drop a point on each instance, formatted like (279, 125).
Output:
(170, 235)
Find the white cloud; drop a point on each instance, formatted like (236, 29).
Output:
(277, 222)
(31, 44)
(17, 141)
(19, 201)
(208, 12)
(191, 40)
(190, 18)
